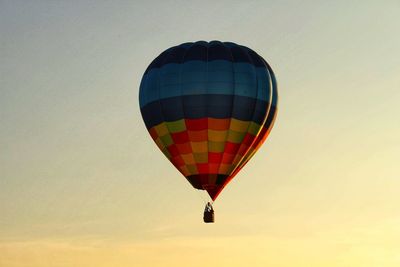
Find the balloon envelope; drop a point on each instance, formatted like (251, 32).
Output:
(208, 106)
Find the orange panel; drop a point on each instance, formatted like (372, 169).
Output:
(198, 136)
(218, 124)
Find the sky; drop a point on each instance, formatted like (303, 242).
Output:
(83, 184)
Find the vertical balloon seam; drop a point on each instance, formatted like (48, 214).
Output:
(244, 53)
(266, 125)
(232, 172)
(226, 133)
(221, 184)
(265, 121)
(248, 153)
(208, 118)
(273, 114)
(182, 101)
(165, 121)
(182, 98)
(158, 100)
(231, 108)
(207, 108)
(218, 185)
(213, 176)
(159, 104)
(257, 90)
(174, 159)
(252, 116)
(199, 45)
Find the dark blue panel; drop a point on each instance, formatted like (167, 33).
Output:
(257, 60)
(175, 55)
(218, 51)
(219, 106)
(152, 115)
(260, 111)
(204, 51)
(239, 54)
(186, 45)
(197, 51)
(158, 61)
(271, 116)
(243, 107)
(201, 106)
(195, 107)
(274, 100)
(171, 109)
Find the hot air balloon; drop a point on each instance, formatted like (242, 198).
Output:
(208, 106)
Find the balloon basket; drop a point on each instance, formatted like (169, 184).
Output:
(208, 216)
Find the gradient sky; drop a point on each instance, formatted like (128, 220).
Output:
(83, 184)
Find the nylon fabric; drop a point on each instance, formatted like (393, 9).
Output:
(208, 106)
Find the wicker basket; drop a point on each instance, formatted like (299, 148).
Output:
(208, 216)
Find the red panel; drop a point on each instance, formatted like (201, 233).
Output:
(214, 157)
(213, 168)
(202, 168)
(196, 124)
(173, 150)
(248, 139)
(228, 158)
(184, 148)
(177, 161)
(198, 136)
(260, 137)
(153, 133)
(231, 148)
(214, 191)
(242, 150)
(180, 138)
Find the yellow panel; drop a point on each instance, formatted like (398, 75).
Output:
(217, 136)
(167, 140)
(159, 143)
(176, 126)
(184, 170)
(239, 126)
(254, 128)
(199, 147)
(192, 169)
(201, 157)
(161, 129)
(216, 146)
(235, 137)
(188, 159)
